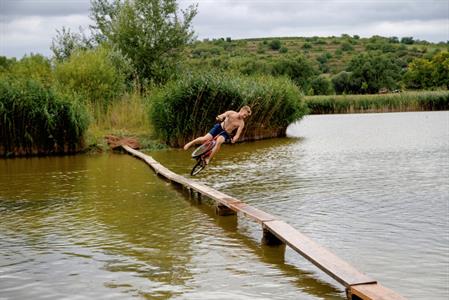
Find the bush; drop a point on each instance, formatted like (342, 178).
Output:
(92, 75)
(275, 44)
(321, 86)
(187, 108)
(36, 120)
(283, 50)
(299, 69)
(35, 66)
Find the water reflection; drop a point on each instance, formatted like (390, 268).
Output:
(116, 230)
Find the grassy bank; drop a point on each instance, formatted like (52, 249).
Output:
(405, 101)
(125, 117)
(186, 108)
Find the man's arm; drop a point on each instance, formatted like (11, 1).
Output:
(239, 132)
(223, 116)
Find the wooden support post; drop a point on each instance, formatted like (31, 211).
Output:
(269, 238)
(223, 210)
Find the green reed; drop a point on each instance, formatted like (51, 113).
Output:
(404, 101)
(36, 120)
(187, 107)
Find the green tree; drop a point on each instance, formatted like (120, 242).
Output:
(419, 74)
(440, 73)
(66, 42)
(374, 70)
(343, 83)
(151, 33)
(321, 86)
(299, 69)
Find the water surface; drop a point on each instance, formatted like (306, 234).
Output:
(373, 188)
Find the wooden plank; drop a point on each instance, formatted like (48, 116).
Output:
(251, 212)
(373, 292)
(337, 268)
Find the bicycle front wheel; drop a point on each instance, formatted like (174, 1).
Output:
(199, 166)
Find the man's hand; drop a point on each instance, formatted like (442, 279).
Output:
(233, 140)
(218, 118)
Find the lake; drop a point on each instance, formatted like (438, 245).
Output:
(373, 188)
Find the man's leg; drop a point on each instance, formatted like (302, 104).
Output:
(199, 140)
(220, 140)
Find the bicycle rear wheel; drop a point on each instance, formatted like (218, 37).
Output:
(199, 166)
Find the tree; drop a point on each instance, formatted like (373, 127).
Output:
(342, 83)
(440, 73)
(374, 70)
(299, 69)
(151, 33)
(66, 42)
(321, 86)
(419, 74)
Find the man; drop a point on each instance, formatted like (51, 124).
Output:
(230, 121)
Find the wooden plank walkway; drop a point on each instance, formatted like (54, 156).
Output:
(357, 284)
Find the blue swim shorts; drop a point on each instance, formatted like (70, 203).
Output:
(218, 130)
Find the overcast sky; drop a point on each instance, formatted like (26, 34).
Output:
(29, 25)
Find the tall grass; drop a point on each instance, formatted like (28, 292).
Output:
(187, 108)
(405, 101)
(36, 120)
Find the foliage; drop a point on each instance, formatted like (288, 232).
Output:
(321, 86)
(36, 120)
(373, 71)
(299, 69)
(408, 40)
(66, 42)
(92, 75)
(425, 73)
(35, 67)
(275, 44)
(187, 107)
(151, 33)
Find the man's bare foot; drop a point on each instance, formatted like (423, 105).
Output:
(207, 160)
(187, 146)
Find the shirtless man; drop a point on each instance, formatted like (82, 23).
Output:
(230, 120)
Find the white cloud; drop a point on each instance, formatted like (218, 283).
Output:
(34, 34)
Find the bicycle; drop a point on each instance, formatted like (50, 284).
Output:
(201, 153)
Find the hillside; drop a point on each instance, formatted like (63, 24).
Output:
(328, 55)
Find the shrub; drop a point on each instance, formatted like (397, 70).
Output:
(92, 75)
(36, 120)
(321, 86)
(35, 66)
(186, 108)
(283, 50)
(299, 69)
(275, 44)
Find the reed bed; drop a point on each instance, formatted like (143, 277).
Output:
(404, 101)
(187, 107)
(34, 120)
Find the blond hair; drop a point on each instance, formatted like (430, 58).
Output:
(247, 108)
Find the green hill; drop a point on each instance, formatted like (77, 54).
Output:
(327, 65)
